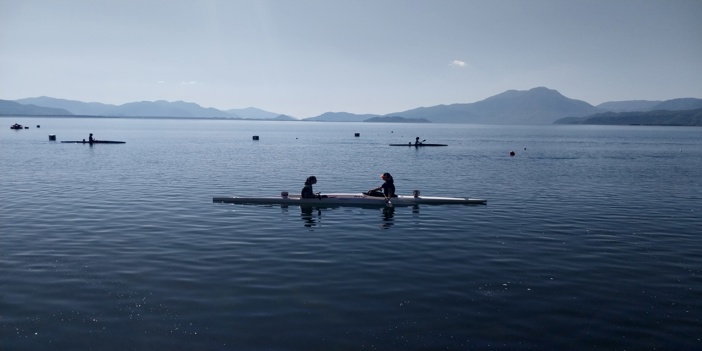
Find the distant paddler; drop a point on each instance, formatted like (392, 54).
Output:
(90, 138)
(417, 142)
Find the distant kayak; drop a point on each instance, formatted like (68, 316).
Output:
(94, 142)
(418, 145)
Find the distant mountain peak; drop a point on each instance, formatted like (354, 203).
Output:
(542, 92)
(538, 105)
(537, 89)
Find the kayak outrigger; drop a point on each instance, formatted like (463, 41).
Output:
(350, 199)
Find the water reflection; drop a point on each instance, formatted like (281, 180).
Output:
(388, 215)
(308, 216)
(312, 216)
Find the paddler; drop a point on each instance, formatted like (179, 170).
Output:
(307, 192)
(388, 187)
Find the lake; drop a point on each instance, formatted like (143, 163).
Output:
(590, 238)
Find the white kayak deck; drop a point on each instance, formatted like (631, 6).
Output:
(350, 199)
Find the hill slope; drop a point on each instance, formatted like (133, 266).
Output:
(340, 117)
(75, 107)
(159, 108)
(163, 108)
(679, 104)
(660, 117)
(534, 106)
(625, 106)
(647, 105)
(252, 113)
(14, 108)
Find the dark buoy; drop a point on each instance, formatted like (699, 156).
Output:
(38, 126)
(357, 135)
(52, 137)
(511, 153)
(255, 137)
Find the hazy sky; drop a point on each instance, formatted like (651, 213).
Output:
(307, 57)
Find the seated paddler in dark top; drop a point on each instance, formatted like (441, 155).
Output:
(307, 192)
(388, 187)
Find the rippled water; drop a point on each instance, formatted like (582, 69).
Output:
(590, 239)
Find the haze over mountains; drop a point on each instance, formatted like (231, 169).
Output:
(535, 106)
(158, 108)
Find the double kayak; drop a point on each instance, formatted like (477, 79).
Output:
(349, 199)
(418, 145)
(94, 142)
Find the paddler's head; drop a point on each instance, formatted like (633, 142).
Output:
(311, 180)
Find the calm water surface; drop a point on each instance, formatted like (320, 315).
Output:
(590, 239)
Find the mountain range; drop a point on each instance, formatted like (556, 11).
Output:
(160, 108)
(534, 106)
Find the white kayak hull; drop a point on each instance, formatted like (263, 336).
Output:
(350, 199)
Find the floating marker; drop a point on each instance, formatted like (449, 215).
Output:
(52, 137)
(357, 135)
(511, 153)
(255, 137)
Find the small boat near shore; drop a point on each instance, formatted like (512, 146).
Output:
(93, 142)
(17, 126)
(349, 199)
